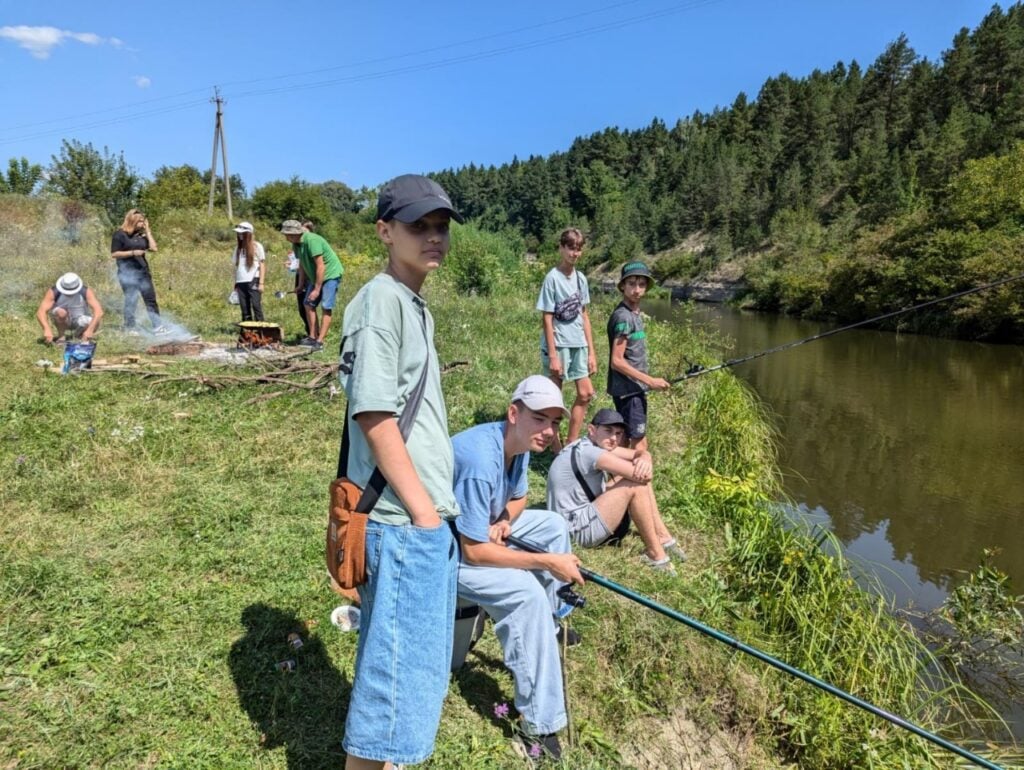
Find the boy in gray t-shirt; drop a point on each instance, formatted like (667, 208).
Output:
(593, 508)
(628, 380)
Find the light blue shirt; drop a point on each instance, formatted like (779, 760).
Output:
(482, 486)
(383, 354)
(557, 288)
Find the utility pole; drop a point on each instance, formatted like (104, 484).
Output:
(218, 138)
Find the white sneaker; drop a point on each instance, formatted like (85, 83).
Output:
(161, 329)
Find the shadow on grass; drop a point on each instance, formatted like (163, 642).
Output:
(481, 690)
(302, 710)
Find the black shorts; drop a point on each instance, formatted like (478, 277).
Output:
(634, 410)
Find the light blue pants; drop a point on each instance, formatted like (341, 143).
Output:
(522, 604)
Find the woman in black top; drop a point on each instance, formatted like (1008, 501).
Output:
(128, 247)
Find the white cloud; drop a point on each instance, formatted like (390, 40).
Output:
(141, 81)
(40, 41)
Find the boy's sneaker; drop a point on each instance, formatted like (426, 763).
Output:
(572, 636)
(161, 330)
(316, 345)
(307, 342)
(673, 549)
(537, 748)
(661, 565)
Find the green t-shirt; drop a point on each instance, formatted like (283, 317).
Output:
(312, 246)
(382, 357)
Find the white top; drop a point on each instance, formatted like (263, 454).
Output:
(245, 274)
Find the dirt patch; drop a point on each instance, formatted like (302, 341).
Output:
(679, 743)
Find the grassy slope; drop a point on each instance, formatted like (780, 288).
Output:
(162, 541)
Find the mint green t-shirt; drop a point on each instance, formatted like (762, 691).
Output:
(312, 246)
(382, 355)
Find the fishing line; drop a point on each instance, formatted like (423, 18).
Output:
(696, 370)
(764, 657)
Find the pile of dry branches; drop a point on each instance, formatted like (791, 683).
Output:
(289, 373)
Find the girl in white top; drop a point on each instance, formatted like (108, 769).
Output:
(250, 272)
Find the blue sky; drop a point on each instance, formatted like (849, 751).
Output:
(361, 92)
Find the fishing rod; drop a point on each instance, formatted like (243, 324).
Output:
(696, 370)
(764, 657)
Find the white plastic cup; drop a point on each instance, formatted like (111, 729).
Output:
(345, 617)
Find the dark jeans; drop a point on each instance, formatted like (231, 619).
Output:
(135, 279)
(250, 299)
(301, 305)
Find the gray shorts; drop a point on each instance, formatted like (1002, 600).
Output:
(586, 527)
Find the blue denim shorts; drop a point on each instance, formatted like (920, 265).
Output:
(405, 642)
(328, 293)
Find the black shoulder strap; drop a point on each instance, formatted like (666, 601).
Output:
(375, 486)
(574, 459)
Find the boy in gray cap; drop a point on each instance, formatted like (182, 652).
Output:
(595, 509)
(408, 600)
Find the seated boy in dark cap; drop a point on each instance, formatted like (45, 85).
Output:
(593, 508)
(628, 380)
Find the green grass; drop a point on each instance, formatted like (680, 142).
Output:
(161, 541)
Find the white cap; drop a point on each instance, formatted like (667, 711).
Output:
(539, 393)
(244, 227)
(69, 283)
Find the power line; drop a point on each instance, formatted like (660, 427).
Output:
(382, 74)
(350, 65)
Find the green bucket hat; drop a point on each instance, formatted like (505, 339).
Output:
(635, 268)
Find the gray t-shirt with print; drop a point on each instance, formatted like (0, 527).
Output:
(565, 495)
(629, 324)
(382, 356)
(560, 295)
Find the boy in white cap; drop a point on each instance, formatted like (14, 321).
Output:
(74, 308)
(320, 273)
(517, 589)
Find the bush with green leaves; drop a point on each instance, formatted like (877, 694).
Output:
(102, 179)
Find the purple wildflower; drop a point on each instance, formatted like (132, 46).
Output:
(534, 750)
(501, 710)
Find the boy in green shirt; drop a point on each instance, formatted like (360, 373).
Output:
(319, 276)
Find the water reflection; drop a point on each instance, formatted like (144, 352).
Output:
(912, 448)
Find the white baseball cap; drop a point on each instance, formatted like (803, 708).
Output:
(69, 283)
(244, 227)
(538, 393)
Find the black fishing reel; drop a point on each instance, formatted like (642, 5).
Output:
(570, 597)
(693, 368)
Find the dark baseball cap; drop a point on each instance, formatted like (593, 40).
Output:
(635, 268)
(608, 417)
(410, 196)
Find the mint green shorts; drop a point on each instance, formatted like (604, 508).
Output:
(574, 363)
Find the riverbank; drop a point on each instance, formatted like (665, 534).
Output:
(163, 541)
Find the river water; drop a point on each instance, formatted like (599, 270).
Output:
(909, 448)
